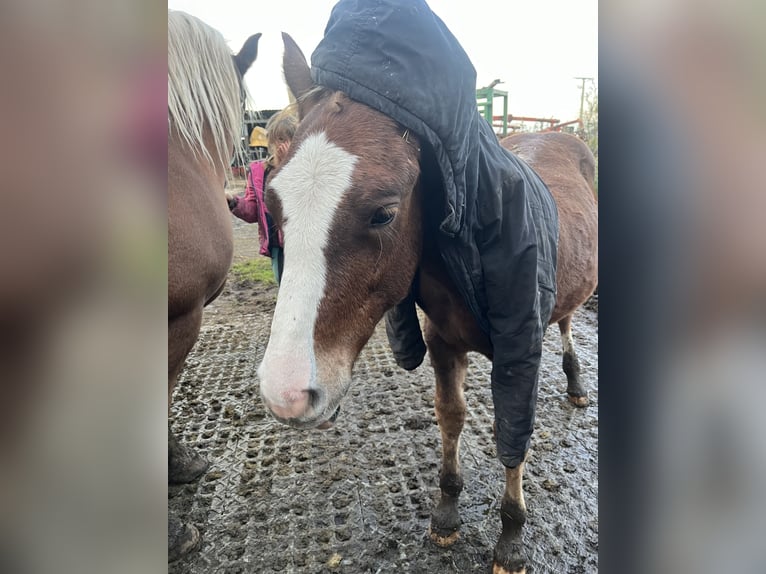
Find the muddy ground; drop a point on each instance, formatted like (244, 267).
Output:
(357, 499)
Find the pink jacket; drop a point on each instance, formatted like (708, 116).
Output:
(252, 208)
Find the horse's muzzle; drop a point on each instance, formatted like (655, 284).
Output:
(306, 425)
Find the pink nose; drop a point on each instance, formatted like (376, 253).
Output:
(294, 404)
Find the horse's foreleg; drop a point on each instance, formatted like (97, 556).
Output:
(509, 556)
(578, 396)
(449, 366)
(183, 332)
(184, 463)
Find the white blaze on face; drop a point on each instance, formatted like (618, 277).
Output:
(310, 187)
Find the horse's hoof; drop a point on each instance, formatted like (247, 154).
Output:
(182, 539)
(444, 529)
(443, 540)
(580, 402)
(497, 569)
(186, 466)
(509, 556)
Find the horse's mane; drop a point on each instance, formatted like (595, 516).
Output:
(203, 87)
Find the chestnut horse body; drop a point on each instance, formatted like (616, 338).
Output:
(204, 124)
(358, 234)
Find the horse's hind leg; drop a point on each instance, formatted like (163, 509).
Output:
(578, 396)
(450, 366)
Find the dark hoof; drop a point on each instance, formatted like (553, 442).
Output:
(182, 539)
(498, 569)
(445, 523)
(579, 401)
(185, 465)
(509, 559)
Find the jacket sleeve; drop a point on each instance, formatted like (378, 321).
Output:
(404, 335)
(247, 208)
(509, 263)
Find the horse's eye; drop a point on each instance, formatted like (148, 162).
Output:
(382, 216)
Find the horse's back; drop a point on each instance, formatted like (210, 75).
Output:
(556, 157)
(567, 167)
(200, 240)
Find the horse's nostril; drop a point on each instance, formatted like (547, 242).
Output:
(314, 396)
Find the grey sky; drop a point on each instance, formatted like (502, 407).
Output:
(536, 47)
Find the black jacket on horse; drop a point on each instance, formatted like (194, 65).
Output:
(498, 233)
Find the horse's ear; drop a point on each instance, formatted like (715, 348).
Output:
(247, 54)
(297, 72)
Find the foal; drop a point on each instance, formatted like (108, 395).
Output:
(358, 234)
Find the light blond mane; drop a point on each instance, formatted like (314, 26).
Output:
(203, 88)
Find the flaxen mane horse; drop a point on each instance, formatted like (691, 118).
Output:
(357, 235)
(205, 104)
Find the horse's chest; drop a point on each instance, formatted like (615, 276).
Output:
(447, 312)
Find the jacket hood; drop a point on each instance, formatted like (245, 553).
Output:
(398, 57)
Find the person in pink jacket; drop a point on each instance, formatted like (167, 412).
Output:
(251, 207)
